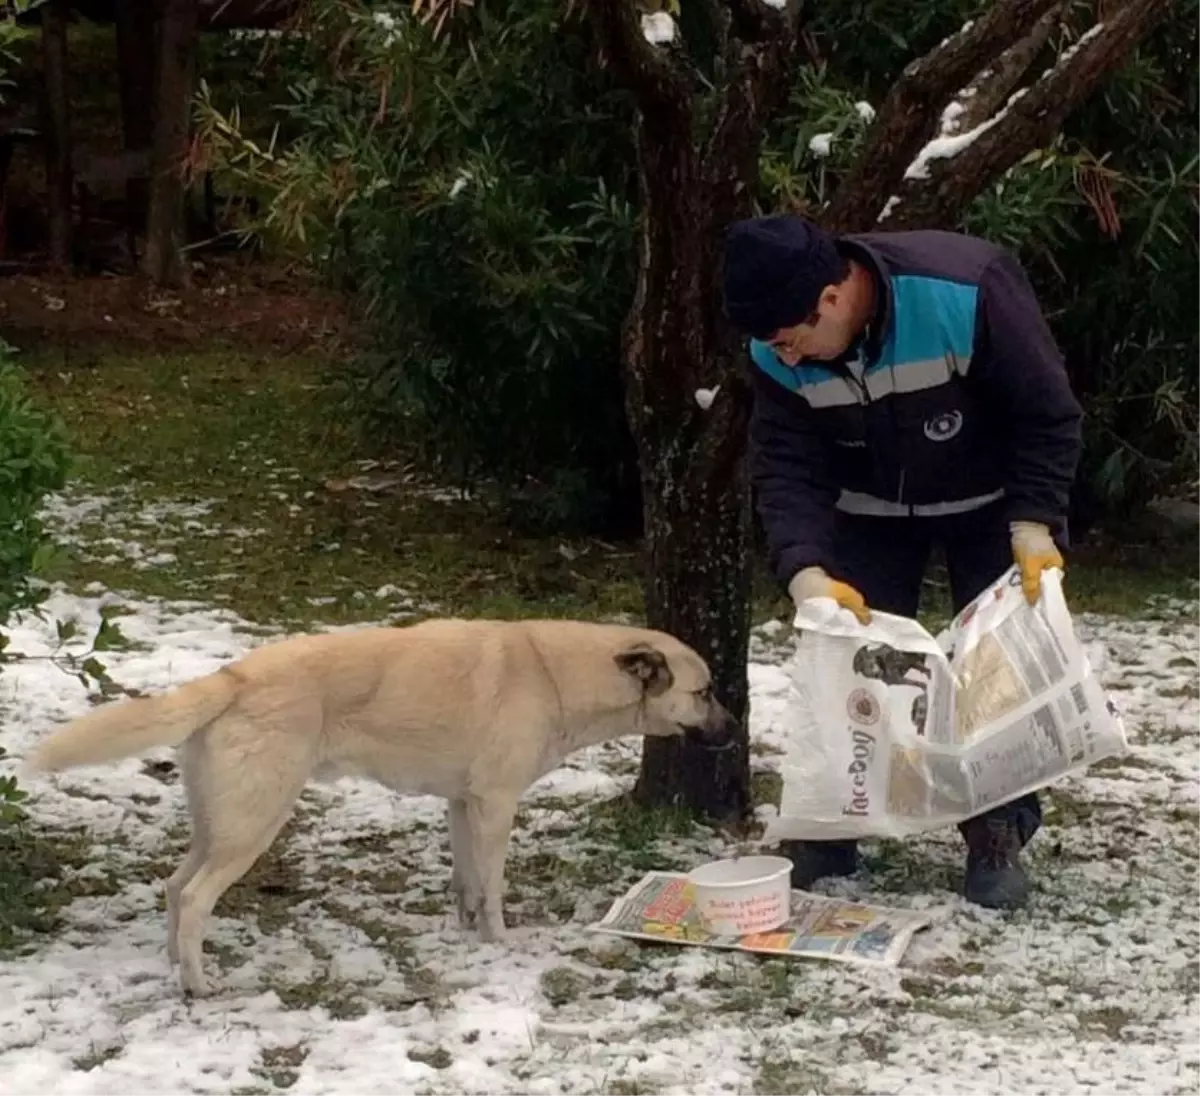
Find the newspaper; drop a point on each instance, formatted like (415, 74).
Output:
(896, 732)
(661, 908)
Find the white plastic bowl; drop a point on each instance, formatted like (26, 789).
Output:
(749, 894)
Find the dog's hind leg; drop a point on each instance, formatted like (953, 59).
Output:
(464, 877)
(178, 880)
(245, 801)
(189, 764)
(490, 824)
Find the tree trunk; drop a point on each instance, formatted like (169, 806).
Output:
(56, 126)
(136, 37)
(695, 505)
(695, 479)
(699, 591)
(163, 261)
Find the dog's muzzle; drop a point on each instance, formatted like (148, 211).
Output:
(720, 734)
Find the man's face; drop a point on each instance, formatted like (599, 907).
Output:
(825, 335)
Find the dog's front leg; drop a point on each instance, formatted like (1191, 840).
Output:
(464, 876)
(489, 823)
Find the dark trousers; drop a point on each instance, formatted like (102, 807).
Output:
(885, 560)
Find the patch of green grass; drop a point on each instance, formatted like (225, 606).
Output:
(340, 1000)
(766, 788)
(1132, 580)
(562, 985)
(1110, 1020)
(434, 1057)
(37, 880)
(780, 1071)
(281, 1065)
(96, 1057)
(901, 867)
(612, 844)
(256, 437)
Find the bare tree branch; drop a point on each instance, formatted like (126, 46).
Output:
(903, 123)
(1029, 121)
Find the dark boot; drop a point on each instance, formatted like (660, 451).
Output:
(995, 878)
(813, 860)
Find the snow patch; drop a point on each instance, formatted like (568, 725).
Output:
(362, 970)
(889, 207)
(658, 28)
(948, 144)
(821, 144)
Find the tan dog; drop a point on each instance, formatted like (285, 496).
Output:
(474, 711)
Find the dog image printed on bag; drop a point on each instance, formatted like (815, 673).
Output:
(472, 711)
(879, 662)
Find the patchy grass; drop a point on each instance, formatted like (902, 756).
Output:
(299, 526)
(281, 1065)
(37, 881)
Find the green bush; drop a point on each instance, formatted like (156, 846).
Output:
(33, 463)
(476, 200)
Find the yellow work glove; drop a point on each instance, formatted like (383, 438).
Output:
(814, 582)
(1034, 551)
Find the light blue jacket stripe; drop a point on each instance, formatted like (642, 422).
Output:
(933, 323)
(933, 318)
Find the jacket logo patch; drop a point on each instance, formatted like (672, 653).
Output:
(944, 427)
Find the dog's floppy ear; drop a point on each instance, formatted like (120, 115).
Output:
(648, 665)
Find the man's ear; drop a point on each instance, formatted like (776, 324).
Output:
(648, 665)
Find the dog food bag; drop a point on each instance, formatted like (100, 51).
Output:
(895, 732)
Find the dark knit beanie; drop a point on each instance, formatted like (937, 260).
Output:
(775, 270)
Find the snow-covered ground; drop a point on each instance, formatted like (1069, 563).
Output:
(342, 968)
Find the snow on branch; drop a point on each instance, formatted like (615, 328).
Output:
(949, 170)
(949, 142)
(905, 118)
(658, 28)
(991, 87)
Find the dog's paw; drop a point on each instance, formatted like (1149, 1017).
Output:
(491, 928)
(195, 985)
(468, 906)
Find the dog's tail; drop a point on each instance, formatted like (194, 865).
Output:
(130, 727)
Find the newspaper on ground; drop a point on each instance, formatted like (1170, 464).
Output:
(661, 908)
(895, 732)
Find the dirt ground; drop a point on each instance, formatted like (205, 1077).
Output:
(250, 304)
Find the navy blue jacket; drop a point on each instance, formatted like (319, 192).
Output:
(961, 399)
